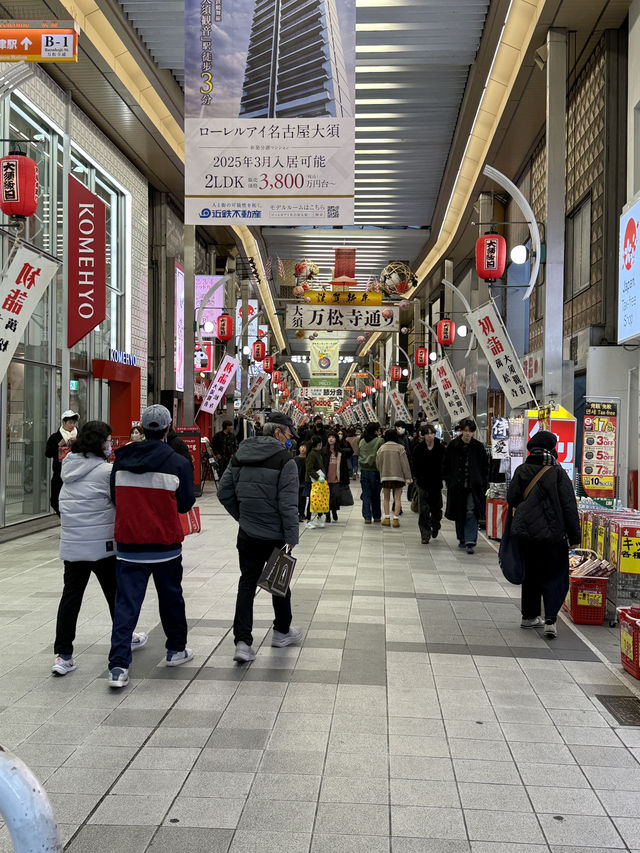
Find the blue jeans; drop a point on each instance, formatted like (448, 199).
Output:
(132, 586)
(467, 527)
(370, 485)
(354, 465)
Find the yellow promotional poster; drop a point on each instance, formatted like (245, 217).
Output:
(351, 297)
(626, 643)
(324, 360)
(629, 550)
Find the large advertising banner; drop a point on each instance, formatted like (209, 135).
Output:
(452, 397)
(324, 367)
(599, 448)
(269, 111)
(427, 405)
(351, 319)
(223, 377)
(629, 275)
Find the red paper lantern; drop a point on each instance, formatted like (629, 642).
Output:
(367, 390)
(259, 350)
(224, 327)
(491, 256)
(358, 395)
(396, 372)
(276, 377)
(421, 356)
(267, 363)
(285, 393)
(446, 331)
(377, 384)
(19, 185)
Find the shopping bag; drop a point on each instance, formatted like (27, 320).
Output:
(190, 521)
(346, 498)
(319, 501)
(509, 555)
(277, 572)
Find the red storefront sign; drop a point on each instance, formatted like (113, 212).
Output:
(87, 261)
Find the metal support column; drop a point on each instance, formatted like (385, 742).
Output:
(188, 413)
(244, 358)
(556, 134)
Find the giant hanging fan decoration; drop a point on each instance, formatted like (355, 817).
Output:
(397, 279)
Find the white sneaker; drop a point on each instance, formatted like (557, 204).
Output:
(62, 666)
(118, 677)
(320, 522)
(551, 631)
(176, 658)
(138, 640)
(538, 622)
(293, 636)
(244, 653)
(311, 525)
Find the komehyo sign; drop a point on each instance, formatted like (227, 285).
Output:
(87, 261)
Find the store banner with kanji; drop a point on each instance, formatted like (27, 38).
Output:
(368, 408)
(351, 297)
(324, 361)
(599, 446)
(21, 288)
(220, 384)
(491, 333)
(422, 396)
(453, 398)
(397, 401)
(500, 438)
(269, 112)
(351, 319)
(258, 384)
(306, 393)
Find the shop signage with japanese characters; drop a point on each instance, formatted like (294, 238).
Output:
(422, 395)
(490, 331)
(269, 112)
(328, 297)
(21, 288)
(599, 446)
(452, 396)
(323, 359)
(258, 384)
(500, 438)
(397, 401)
(368, 408)
(38, 41)
(353, 318)
(220, 384)
(331, 393)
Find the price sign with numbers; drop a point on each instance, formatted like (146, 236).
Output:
(599, 449)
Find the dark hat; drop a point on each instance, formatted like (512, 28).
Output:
(544, 439)
(284, 421)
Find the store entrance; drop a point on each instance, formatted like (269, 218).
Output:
(124, 393)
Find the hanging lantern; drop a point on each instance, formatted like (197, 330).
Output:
(276, 377)
(19, 185)
(421, 356)
(491, 256)
(446, 331)
(396, 372)
(224, 327)
(282, 386)
(259, 350)
(285, 393)
(377, 384)
(358, 395)
(367, 390)
(267, 363)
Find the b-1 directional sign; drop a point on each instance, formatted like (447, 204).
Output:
(38, 41)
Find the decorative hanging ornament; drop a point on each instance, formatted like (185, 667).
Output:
(298, 290)
(267, 363)
(404, 330)
(491, 256)
(367, 390)
(397, 278)
(377, 384)
(19, 185)
(396, 372)
(224, 327)
(259, 350)
(358, 395)
(361, 339)
(421, 356)
(446, 331)
(285, 393)
(276, 377)
(404, 305)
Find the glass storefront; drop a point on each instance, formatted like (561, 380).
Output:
(30, 394)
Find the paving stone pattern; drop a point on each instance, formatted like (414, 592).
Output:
(417, 716)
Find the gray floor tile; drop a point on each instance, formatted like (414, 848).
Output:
(250, 841)
(107, 839)
(565, 801)
(629, 828)
(277, 816)
(352, 818)
(340, 789)
(348, 844)
(218, 783)
(139, 782)
(495, 797)
(581, 831)
(215, 812)
(241, 760)
(285, 786)
(423, 792)
(490, 825)
(421, 822)
(127, 810)
(175, 839)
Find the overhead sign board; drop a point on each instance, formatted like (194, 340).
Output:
(629, 276)
(38, 41)
(349, 318)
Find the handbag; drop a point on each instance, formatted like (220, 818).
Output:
(346, 498)
(509, 555)
(415, 501)
(190, 521)
(319, 500)
(277, 572)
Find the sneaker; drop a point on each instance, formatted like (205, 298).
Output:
(367, 521)
(532, 623)
(396, 522)
(293, 636)
(550, 630)
(62, 666)
(244, 653)
(118, 677)
(176, 658)
(311, 525)
(470, 549)
(138, 640)
(386, 522)
(320, 522)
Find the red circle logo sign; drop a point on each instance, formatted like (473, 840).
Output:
(630, 243)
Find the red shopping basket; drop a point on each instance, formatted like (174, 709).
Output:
(586, 601)
(630, 639)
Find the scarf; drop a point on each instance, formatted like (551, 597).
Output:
(69, 436)
(539, 453)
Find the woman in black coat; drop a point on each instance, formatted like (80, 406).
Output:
(426, 466)
(336, 455)
(466, 470)
(545, 524)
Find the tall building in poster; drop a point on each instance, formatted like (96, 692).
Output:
(295, 63)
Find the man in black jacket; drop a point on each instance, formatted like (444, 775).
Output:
(224, 444)
(57, 447)
(545, 523)
(426, 466)
(466, 469)
(259, 489)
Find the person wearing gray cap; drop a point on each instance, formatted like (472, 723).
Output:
(259, 489)
(150, 485)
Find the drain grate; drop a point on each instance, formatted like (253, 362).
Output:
(626, 709)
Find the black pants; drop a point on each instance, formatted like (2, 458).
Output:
(253, 554)
(302, 502)
(76, 578)
(430, 511)
(546, 577)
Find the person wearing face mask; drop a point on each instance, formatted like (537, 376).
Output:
(426, 466)
(466, 470)
(57, 447)
(401, 429)
(136, 433)
(87, 518)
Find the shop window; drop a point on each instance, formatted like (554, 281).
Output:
(577, 271)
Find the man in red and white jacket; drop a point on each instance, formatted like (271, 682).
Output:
(150, 485)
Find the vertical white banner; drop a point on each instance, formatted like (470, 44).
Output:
(220, 384)
(397, 401)
(259, 382)
(452, 396)
(422, 395)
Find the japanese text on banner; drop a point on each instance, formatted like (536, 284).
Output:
(258, 384)
(422, 395)
(397, 401)
(350, 318)
(452, 396)
(220, 384)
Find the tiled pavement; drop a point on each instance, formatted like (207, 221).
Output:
(416, 718)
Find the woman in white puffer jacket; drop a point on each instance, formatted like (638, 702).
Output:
(87, 518)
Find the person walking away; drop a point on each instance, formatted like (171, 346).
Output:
(546, 524)
(150, 485)
(303, 492)
(87, 516)
(57, 446)
(260, 490)
(176, 443)
(370, 443)
(315, 463)
(335, 456)
(466, 470)
(393, 465)
(404, 439)
(224, 444)
(354, 443)
(426, 465)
